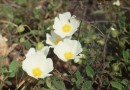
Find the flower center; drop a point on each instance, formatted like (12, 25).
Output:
(36, 72)
(66, 28)
(57, 40)
(68, 55)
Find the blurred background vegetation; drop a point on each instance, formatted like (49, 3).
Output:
(104, 34)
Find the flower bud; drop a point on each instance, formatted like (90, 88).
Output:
(22, 40)
(20, 29)
(39, 45)
(114, 32)
(115, 67)
(101, 42)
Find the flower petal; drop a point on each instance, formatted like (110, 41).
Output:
(65, 17)
(75, 23)
(49, 65)
(49, 39)
(30, 52)
(60, 33)
(57, 23)
(59, 50)
(45, 50)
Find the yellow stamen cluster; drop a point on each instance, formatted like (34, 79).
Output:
(56, 41)
(36, 72)
(68, 55)
(66, 28)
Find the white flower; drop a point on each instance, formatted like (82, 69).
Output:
(65, 25)
(53, 39)
(36, 64)
(68, 49)
(117, 3)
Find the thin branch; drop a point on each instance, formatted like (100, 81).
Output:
(32, 33)
(8, 22)
(84, 12)
(102, 21)
(105, 50)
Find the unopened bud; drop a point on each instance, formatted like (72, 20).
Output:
(22, 40)
(39, 45)
(20, 29)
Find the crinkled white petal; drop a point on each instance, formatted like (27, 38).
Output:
(57, 23)
(45, 75)
(75, 23)
(31, 52)
(48, 64)
(68, 37)
(60, 33)
(54, 35)
(33, 60)
(45, 50)
(52, 38)
(77, 47)
(49, 39)
(59, 50)
(64, 18)
(73, 45)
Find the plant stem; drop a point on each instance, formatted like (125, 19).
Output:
(8, 22)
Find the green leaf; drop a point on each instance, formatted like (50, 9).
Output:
(8, 83)
(27, 44)
(36, 13)
(17, 20)
(7, 11)
(3, 70)
(87, 85)
(125, 82)
(44, 88)
(89, 71)
(21, 2)
(59, 84)
(79, 78)
(13, 67)
(116, 85)
(49, 83)
(41, 82)
(128, 68)
(126, 55)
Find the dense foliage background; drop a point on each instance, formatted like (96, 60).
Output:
(104, 34)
